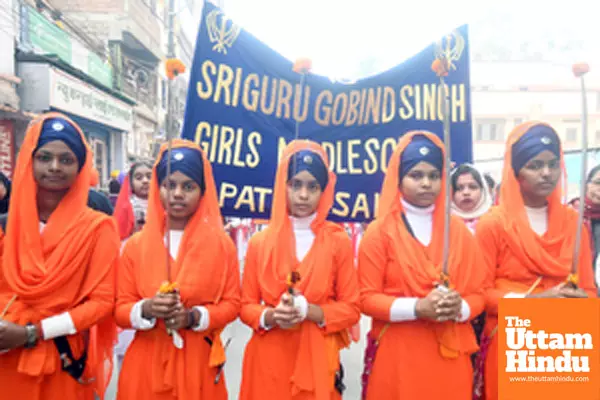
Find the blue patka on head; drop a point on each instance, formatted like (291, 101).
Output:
(307, 160)
(420, 149)
(537, 139)
(54, 129)
(185, 160)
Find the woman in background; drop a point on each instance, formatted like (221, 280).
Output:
(471, 196)
(130, 210)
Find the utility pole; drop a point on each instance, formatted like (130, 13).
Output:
(170, 122)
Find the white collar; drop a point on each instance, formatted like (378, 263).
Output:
(417, 210)
(303, 223)
(537, 210)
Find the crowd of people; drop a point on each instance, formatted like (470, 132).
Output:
(158, 281)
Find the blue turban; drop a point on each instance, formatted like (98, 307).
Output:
(185, 160)
(420, 149)
(54, 129)
(536, 140)
(307, 160)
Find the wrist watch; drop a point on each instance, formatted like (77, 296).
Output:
(32, 336)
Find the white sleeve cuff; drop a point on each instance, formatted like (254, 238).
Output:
(57, 326)
(137, 321)
(204, 319)
(403, 309)
(263, 322)
(301, 304)
(465, 312)
(513, 295)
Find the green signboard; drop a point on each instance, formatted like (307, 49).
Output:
(47, 38)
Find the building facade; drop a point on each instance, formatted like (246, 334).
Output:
(505, 94)
(63, 69)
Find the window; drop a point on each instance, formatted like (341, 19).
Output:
(518, 121)
(598, 135)
(491, 130)
(571, 134)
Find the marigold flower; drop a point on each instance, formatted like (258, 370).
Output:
(174, 67)
(440, 66)
(302, 66)
(580, 69)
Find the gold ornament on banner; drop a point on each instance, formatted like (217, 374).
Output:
(449, 49)
(222, 31)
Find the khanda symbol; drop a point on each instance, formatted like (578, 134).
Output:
(222, 31)
(450, 48)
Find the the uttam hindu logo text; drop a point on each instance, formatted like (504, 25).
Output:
(523, 343)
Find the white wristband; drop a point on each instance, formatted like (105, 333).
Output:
(403, 309)
(301, 304)
(204, 319)
(137, 320)
(465, 312)
(263, 322)
(58, 325)
(513, 295)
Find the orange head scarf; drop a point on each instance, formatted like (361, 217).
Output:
(421, 266)
(123, 214)
(552, 253)
(198, 269)
(278, 260)
(279, 256)
(123, 209)
(47, 272)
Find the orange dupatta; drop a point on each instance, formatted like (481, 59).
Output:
(422, 266)
(198, 269)
(278, 259)
(124, 211)
(47, 272)
(552, 253)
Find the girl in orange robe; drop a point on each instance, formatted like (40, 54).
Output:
(294, 350)
(530, 235)
(421, 340)
(186, 365)
(58, 270)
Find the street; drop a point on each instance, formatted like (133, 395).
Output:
(352, 359)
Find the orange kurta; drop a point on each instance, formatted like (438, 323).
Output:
(69, 267)
(417, 359)
(206, 270)
(515, 256)
(301, 363)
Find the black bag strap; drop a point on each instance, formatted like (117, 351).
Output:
(407, 225)
(70, 365)
(3, 221)
(339, 380)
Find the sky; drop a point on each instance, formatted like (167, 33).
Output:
(339, 35)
